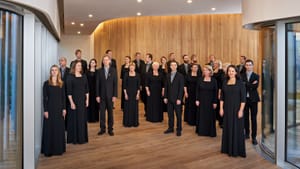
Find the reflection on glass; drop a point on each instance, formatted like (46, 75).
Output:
(293, 94)
(268, 125)
(10, 90)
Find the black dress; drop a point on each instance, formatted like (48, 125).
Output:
(219, 76)
(53, 140)
(77, 87)
(93, 108)
(154, 101)
(233, 139)
(190, 108)
(164, 72)
(124, 71)
(207, 96)
(131, 107)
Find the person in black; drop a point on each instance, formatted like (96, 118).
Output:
(171, 59)
(106, 94)
(190, 108)
(78, 94)
(53, 140)
(211, 60)
(194, 61)
(139, 63)
(113, 62)
(155, 90)
(233, 98)
(241, 67)
(78, 54)
(131, 84)
(64, 71)
(163, 69)
(124, 71)
(251, 80)
(185, 67)
(206, 100)
(93, 108)
(173, 96)
(219, 76)
(147, 68)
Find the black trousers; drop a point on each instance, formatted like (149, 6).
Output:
(250, 108)
(106, 104)
(178, 111)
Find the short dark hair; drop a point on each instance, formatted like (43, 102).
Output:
(173, 61)
(150, 55)
(128, 57)
(137, 53)
(244, 57)
(77, 51)
(249, 61)
(107, 51)
(184, 56)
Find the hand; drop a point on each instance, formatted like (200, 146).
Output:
(73, 106)
(114, 99)
(255, 82)
(197, 103)
(186, 95)
(221, 112)
(219, 96)
(87, 102)
(126, 97)
(137, 96)
(98, 99)
(166, 100)
(148, 93)
(64, 112)
(178, 102)
(162, 93)
(214, 106)
(46, 115)
(240, 114)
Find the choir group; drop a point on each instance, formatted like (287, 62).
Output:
(228, 94)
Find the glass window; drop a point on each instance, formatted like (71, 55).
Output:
(268, 119)
(293, 94)
(10, 90)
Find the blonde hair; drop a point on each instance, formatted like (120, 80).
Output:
(208, 67)
(59, 82)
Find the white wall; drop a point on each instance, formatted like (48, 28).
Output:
(69, 43)
(255, 11)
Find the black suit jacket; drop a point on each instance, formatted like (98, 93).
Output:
(67, 71)
(113, 63)
(251, 88)
(174, 90)
(181, 69)
(140, 68)
(241, 68)
(84, 65)
(107, 88)
(144, 73)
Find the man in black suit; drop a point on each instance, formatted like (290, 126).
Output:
(113, 62)
(78, 54)
(251, 80)
(64, 71)
(145, 70)
(171, 59)
(173, 96)
(185, 67)
(106, 94)
(139, 63)
(241, 67)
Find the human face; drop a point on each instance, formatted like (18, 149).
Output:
(194, 68)
(131, 68)
(93, 63)
(78, 55)
(62, 62)
(127, 60)
(231, 72)
(163, 61)
(78, 67)
(106, 61)
(172, 56)
(148, 59)
(155, 66)
(216, 65)
(206, 72)
(212, 58)
(173, 66)
(242, 60)
(186, 59)
(138, 56)
(249, 66)
(54, 72)
(109, 54)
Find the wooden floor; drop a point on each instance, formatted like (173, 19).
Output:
(146, 147)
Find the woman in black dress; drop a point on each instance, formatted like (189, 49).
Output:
(93, 109)
(154, 90)
(219, 76)
(78, 94)
(206, 99)
(233, 98)
(124, 70)
(131, 84)
(190, 108)
(163, 69)
(53, 141)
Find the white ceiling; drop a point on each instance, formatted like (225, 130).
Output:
(78, 10)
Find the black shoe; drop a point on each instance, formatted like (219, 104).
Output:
(101, 132)
(178, 133)
(247, 136)
(254, 141)
(111, 133)
(169, 131)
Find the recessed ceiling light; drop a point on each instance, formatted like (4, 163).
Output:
(189, 1)
(73, 23)
(138, 14)
(78, 32)
(90, 15)
(213, 9)
(81, 24)
(139, 1)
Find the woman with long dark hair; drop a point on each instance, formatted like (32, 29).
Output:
(93, 109)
